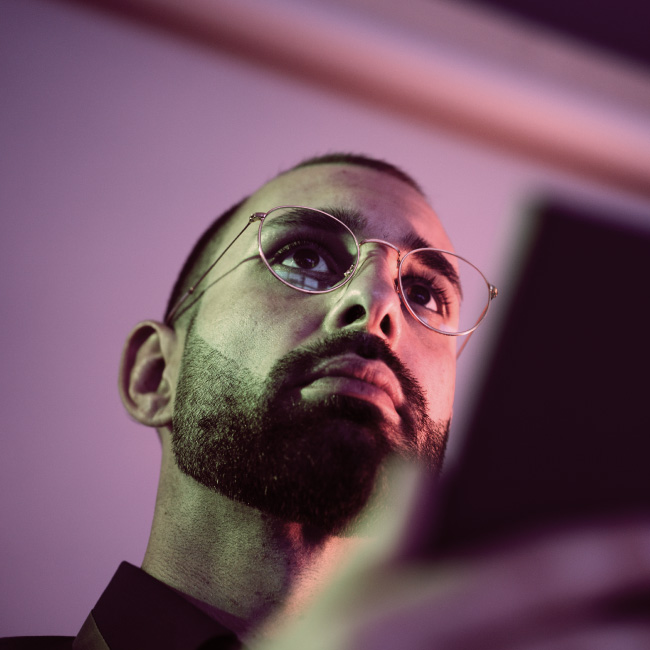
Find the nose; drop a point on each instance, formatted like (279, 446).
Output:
(369, 302)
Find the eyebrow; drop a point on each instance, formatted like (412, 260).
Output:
(353, 219)
(437, 262)
(296, 215)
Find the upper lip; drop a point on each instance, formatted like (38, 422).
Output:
(353, 366)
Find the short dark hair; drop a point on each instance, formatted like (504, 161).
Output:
(361, 161)
(204, 250)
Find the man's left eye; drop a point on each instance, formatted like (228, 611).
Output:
(422, 294)
(419, 295)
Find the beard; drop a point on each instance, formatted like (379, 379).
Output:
(256, 441)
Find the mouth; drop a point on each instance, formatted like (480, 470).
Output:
(352, 375)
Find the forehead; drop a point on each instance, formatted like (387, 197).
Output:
(391, 208)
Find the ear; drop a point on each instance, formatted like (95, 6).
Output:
(148, 373)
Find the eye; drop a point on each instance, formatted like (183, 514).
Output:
(308, 265)
(422, 293)
(303, 256)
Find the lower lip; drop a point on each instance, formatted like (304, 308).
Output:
(333, 385)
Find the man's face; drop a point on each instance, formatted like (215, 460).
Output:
(291, 402)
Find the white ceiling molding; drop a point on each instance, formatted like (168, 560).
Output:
(507, 86)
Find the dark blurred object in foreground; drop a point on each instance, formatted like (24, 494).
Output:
(560, 434)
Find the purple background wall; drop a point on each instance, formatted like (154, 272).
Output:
(117, 147)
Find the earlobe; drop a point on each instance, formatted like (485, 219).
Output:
(147, 373)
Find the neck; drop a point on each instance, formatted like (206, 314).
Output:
(246, 569)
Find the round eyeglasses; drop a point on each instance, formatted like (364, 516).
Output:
(314, 252)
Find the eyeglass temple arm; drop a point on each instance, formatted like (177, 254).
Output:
(494, 292)
(257, 216)
(465, 342)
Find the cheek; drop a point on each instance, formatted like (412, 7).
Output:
(435, 369)
(442, 392)
(256, 326)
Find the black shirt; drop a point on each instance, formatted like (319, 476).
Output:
(137, 612)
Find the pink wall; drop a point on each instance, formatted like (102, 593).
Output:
(118, 146)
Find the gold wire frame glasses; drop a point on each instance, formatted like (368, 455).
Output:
(314, 252)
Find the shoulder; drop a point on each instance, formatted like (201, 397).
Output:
(37, 643)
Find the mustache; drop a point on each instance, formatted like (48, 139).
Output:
(367, 346)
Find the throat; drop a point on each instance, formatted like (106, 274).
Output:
(247, 570)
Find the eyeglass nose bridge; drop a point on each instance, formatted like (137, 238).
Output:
(384, 243)
(353, 269)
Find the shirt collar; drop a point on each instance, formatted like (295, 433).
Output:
(137, 611)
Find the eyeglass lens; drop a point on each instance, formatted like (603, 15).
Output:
(314, 252)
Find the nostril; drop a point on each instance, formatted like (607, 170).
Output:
(353, 314)
(385, 325)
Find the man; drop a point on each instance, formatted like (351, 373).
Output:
(277, 408)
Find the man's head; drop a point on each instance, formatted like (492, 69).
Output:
(290, 402)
